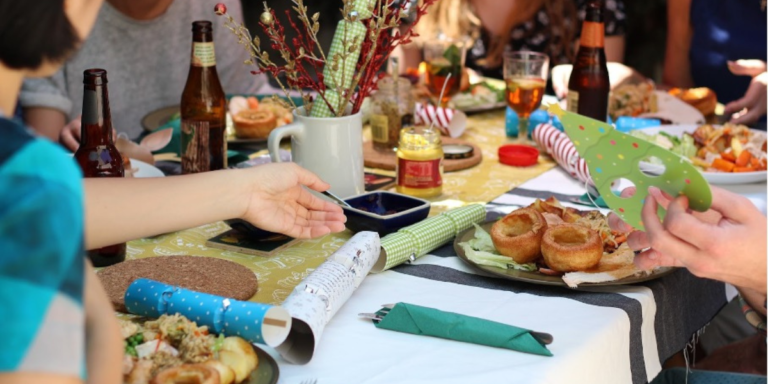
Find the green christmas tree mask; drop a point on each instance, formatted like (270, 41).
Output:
(612, 155)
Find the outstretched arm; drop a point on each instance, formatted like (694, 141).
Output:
(271, 196)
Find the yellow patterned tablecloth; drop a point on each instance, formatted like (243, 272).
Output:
(280, 273)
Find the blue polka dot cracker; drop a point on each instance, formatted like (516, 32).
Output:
(255, 322)
(612, 155)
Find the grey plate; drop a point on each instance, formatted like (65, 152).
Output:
(536, 277)
(160, 117)
(267, 372)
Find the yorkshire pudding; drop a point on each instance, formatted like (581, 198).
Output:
(188, 374)
(518, 235)
(571, 247)
(254, 123)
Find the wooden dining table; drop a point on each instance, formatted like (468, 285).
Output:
(607, 334)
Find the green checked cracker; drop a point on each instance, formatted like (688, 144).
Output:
(348, 31)
(612, 155)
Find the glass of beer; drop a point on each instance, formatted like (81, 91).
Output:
(525, 73)
(445, 62)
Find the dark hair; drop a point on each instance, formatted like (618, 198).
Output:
(32, 32)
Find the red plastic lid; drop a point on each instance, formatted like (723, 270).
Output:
(518, 155)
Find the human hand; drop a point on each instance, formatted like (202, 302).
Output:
(752, 105)
(278, 202)
(726, 243)
(70, 135)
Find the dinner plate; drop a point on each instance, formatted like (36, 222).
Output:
(162, 116)
(537, 277)
(267, 372)
(145, 170)
(712, 177)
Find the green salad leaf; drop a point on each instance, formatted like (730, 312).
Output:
(481, 251)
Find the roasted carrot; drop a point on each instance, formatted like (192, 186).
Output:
(743, 159)
(743, 169)
(723, 165)
(728, 156)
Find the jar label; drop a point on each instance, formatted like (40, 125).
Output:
(203, 55)
(572, 101)
(419, 174)
(379, 128)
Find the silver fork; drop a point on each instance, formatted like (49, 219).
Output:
(309, 381)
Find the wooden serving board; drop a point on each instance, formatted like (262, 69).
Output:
(387, 160)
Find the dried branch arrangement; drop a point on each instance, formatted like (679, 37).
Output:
(368, 33)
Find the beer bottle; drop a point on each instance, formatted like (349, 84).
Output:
(588, 86)
(97, 154)
(203, 108)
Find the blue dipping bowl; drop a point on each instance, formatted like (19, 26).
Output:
(384, 212)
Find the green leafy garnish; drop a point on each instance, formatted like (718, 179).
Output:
(481, 251)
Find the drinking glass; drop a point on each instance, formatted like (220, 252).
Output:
(525, 73)
(445, 62)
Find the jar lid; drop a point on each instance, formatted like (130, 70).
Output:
(518, 155)
(457, 151)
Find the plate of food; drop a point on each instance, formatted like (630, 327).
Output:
(482, 94)
(250, 119)
(725, 154)
(173, 349)
(643, 100)
(547, 243)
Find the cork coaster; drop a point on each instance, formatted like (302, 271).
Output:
(203, 274)
(387, 160)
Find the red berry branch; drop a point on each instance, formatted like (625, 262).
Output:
(302, 56)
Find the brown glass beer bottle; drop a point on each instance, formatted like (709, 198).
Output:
(203, 108)
(97, 154)
(588, 86)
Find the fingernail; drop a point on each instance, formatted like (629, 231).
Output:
(652, 255)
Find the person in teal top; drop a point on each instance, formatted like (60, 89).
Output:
(58, 325)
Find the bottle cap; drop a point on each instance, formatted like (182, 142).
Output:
(518, 155)
(457, 151)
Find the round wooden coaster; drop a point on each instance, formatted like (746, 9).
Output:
(387, 160)
(203, 274)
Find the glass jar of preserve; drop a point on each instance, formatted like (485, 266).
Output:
(420, 162)
(391, 110)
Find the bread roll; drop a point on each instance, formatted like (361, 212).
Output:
(571, 247)
(518, 235)
(703, 99)
(254, 124)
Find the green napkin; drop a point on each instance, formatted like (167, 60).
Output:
(599, 200)
(419, 320)
(418, 239)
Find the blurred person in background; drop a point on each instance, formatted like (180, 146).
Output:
(720, 45)
(497, 26)
(144, 46)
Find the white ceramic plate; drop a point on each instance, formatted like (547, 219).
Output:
(675, 110)
(145, 170)
(712, 177)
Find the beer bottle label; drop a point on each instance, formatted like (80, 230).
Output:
(203, 55)
(592, 34)
(195, 143)
(572, 101)
(379, 128)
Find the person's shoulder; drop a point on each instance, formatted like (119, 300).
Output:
(24, 155)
